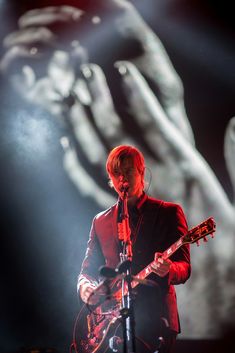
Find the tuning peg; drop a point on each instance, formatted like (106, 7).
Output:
(198, 242)
(212, 235)
(205, 239)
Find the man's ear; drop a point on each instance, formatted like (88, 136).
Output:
(110, 182)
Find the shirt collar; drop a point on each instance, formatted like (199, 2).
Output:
(141, 201)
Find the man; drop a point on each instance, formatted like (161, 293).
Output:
(155, 225)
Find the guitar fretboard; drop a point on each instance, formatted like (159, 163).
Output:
(194, 234)
(165, 255)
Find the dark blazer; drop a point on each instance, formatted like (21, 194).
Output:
(159, 224)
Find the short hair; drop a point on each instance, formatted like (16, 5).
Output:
(120, 153)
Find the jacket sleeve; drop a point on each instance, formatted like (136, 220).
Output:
(180, 269)
(92, 261)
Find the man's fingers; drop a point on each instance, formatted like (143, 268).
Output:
(84, 182)
(106, 119)
(154, 63)
(49, 15)
(157, 255)
(162, 135)
(229, 150)
(29, 37)
(12, 58)
(86, 293)
(159, 71)
(29, 44)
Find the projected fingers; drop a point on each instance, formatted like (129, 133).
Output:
(25, 47)
(82, 179)
(160, 133)
(229, 151)
(154, 63)
(41, 32)
(106, 120)
(49, 15)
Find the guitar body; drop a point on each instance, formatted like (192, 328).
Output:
(98, 326)
(105, 323)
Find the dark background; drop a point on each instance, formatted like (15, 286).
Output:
(44, 220)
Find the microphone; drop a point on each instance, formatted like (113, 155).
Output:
(103, 290)
(123, 185)
(109, 272)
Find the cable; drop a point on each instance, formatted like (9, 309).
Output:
(148, 184)
(74, 342)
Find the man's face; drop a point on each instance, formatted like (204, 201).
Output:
(128, 172)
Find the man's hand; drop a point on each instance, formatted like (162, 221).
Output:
(86, 293)
(160, 266)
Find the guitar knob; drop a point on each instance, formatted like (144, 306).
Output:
(198, 243)
(205, 239)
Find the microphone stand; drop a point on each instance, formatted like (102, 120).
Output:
(127, 311)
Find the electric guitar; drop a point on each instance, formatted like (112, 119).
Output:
(102, 322)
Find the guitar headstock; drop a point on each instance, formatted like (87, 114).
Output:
(200, 231)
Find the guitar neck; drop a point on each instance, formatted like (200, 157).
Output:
(165, 255)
